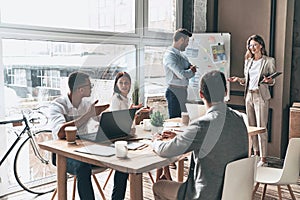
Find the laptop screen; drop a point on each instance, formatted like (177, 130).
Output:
(115, 124)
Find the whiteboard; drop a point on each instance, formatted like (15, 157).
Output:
(208, 51)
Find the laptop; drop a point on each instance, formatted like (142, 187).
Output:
(113, 125)
(195, 110)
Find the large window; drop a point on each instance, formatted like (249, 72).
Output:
(41, 42)
(16, 76)
(100, 15)
(154, 73)
(162, 15)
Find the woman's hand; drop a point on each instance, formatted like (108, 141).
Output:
(267, 80)
(136, 106)
(233, 79)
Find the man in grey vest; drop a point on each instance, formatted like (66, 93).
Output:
(215, 139)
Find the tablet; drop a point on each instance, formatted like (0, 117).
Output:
(274, 75)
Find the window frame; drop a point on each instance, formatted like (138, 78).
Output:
(140, 38)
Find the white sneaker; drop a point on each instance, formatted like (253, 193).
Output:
(262, 164)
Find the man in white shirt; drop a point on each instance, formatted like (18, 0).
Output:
(73, 110)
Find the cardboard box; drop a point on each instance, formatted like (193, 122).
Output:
(296, 104)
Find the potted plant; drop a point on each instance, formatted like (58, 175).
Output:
(157, 121)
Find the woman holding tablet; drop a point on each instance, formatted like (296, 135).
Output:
(257, 67)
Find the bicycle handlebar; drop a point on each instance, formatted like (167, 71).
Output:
(13, 121)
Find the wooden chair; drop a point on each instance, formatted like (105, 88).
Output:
(95, 170)
(287, 175)
(110, 173)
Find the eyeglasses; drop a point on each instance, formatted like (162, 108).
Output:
(91, 85)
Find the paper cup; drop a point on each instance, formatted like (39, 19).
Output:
(70, 132)
(185, 118)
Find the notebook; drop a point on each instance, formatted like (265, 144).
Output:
(113, 125)
(195, 110)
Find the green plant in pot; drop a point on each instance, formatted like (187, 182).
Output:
(157, 121)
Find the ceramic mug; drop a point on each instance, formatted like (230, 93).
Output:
(121, 149)
(146, 124)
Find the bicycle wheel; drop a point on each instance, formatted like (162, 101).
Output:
(33, 174)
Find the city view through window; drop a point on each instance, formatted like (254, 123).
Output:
(100, 37)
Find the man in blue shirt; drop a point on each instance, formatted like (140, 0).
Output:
(178, 72)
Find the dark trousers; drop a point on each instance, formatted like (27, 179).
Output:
(176, 98)
(120, 184)
(83, 173)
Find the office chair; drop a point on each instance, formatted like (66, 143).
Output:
(289, 174)
(239, 179)
(95, 170)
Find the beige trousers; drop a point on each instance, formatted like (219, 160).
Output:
(166, 190)
(257, 111)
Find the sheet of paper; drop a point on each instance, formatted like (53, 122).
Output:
(96, 149)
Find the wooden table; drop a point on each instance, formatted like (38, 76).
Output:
(253, 130)
(138, 162)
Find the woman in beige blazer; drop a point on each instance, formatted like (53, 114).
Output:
(257, 95)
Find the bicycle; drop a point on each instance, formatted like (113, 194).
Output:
(31, 164)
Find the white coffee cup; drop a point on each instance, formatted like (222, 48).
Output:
(121, 149)
(146, 124)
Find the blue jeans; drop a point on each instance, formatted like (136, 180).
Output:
(83, 173)
(176, 98)
(120, 183)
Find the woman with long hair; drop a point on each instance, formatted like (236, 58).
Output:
(257, 67)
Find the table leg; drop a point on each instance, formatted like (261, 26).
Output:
(136, 186)
(61, 177)
(180, 170)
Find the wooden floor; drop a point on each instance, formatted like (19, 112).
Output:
(271, 190)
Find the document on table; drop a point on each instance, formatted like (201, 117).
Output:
(133, 145)
(96, 149)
